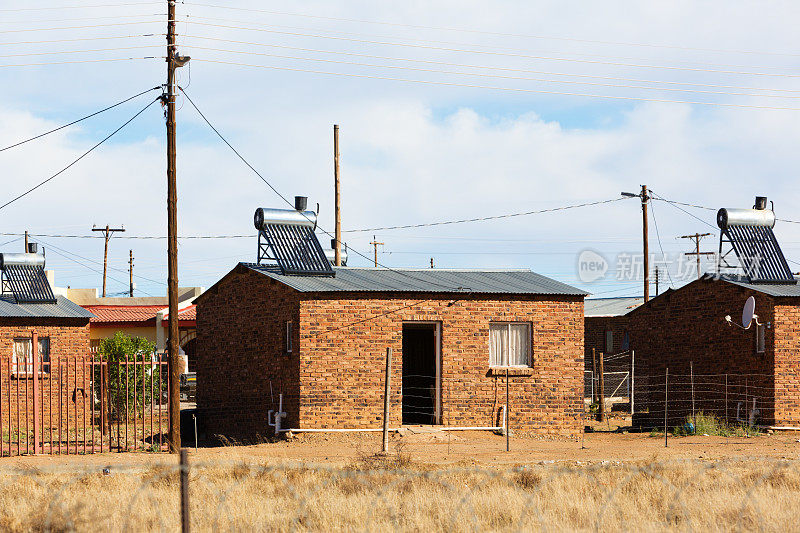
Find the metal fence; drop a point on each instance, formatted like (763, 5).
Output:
(616, 385)
(81, 404)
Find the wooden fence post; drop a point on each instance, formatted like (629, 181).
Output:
(37, 437)
(601, 406)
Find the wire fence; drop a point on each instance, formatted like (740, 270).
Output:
(380, 493)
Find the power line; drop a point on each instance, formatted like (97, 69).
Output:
(501, 34)
(500, 88)
(658, 236)
(83, 18)
(489, 52)
(499, 76)
(80, 119)
(57, 52)
(290, 204)
(79, 158)
(489, 67)
(80, 61)
(83, 26)
(58, 8)
(49, 41)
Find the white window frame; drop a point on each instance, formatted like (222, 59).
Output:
(529, 336)
(288, 338)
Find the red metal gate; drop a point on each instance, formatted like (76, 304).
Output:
(81, 404)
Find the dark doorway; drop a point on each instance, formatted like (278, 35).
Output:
(419, 374)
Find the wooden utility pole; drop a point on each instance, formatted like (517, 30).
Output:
(375, 245)
(696, 238)
(645, 243)
(107, 233)
(337, 249)
(173, 62)
(26, 241)
(644, 197)
(130, 270)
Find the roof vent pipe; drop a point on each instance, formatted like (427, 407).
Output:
(300, 203)
(761, 203)
(33, 247)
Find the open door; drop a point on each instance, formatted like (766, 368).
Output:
(421, 373)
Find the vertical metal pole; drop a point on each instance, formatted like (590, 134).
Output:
(666, 400)
(1, 410)
(387, 389)
(337, 249)
(691, 380)
(184, 491)
(594, 373)
(83, 410)
(60, 401)
(645, 244)
(601, 392)
(633, 388)
(726, 397)
(172, 238)
(91, 396)
(508, 416)
(35, 367)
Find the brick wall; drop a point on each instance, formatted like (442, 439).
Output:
(241, 364)
(69, 389)
(595, 337)
(344, 340)
(786, 336)
(686, 327)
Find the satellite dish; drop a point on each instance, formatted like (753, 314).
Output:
(748, 312)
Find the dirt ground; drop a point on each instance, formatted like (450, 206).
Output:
(465, 448)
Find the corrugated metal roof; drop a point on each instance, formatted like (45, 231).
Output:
(597, 307)
(352, 279)
(63, 308)
(778, 290)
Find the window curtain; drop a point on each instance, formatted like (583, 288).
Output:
(519, 344)
(498, 344)
(22, 356)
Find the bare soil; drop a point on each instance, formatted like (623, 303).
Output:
(466, 448)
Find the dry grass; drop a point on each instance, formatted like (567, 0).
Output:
(391, 493)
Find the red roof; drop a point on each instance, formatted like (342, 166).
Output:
(186, 314)
(117, 314)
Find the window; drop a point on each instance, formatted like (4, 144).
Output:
(509, 344)
(288, 340)
(609, 342)
(761, 338)
(626, 341)
(23, 358)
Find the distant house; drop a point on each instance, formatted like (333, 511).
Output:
(606, 324)
(321, 340)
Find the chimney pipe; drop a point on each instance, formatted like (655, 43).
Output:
(32, 248)
(761, 203)
(300, 203)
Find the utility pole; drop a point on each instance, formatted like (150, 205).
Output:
(656, 281)
(337, 248)
(696, 238)
(431, 262)
(130, 270)
(107, 233)
(644, 197)
(168, 99)
(375, 245)
(26, 241)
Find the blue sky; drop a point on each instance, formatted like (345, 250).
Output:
(411, 152)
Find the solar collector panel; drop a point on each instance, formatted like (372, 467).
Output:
(297, 250)
(760, 254)
(28, 283)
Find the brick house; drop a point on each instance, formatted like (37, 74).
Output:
(606, 325)
(732, 369)
(321, 342)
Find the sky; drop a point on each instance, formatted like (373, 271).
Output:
(447, 111)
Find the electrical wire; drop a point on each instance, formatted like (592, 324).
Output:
(90, 150)
(84, 26)
(658, 236)
(499, 34)
(84, 18)
(498, 76)
(80, 61)
(80, 119)
(57, 52)
(58, 8)
(488, 67)
(500, 88)
(350, 249)
(49, 41)
(492, 53)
